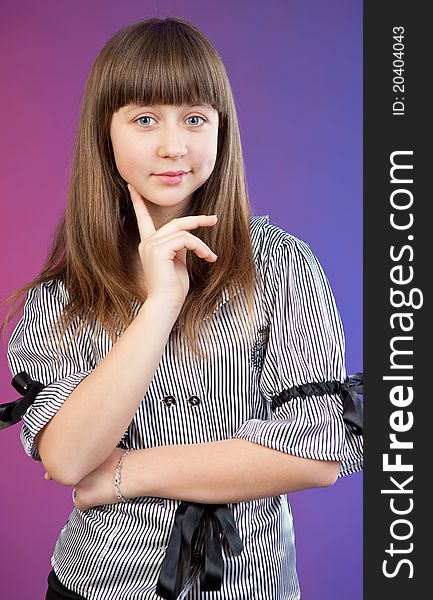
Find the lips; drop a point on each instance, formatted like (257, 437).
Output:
(172, 173)
(172, 179)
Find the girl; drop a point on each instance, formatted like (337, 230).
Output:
(186, 393)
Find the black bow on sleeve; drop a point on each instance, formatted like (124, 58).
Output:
(191, 519)
(12, 412)
(353, 407)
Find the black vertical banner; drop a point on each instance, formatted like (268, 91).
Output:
(398, 257)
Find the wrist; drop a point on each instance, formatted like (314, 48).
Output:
(118, 478)
(161, 309)
(134, 479)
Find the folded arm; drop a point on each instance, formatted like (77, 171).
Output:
(231, 470)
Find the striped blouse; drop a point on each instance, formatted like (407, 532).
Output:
(116, 551)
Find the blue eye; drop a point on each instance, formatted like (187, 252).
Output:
(195, 117)
(139, 118)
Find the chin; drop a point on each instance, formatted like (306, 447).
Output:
(167, 202)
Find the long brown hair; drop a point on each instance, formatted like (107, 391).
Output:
(153, 61)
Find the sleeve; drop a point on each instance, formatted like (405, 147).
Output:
(303, 368)
(32, 348)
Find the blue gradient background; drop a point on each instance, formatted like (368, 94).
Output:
(296, 73)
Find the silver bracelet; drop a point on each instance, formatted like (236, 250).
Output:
(117, 478)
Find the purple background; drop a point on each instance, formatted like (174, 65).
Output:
(296, 74)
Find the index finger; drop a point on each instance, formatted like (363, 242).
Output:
(146, 226)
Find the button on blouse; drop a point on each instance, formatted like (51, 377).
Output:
(169, 400)
(194, 400)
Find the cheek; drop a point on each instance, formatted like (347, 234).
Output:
(125, 158)
(208, 154)
(214, 149)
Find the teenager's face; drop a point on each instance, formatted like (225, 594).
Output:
(150, 140)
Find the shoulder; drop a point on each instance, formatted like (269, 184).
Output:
(51, 292)
(272, 244)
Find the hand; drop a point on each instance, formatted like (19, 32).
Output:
(163, 252)
(97, 487)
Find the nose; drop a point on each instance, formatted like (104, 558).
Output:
(172, 151)
(172, 145)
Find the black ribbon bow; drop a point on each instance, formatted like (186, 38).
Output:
(192, 519)
(12, 412)
(353, 407)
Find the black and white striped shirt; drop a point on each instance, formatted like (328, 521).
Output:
(115, 551)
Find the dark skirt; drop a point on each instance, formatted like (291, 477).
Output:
(57, 591)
